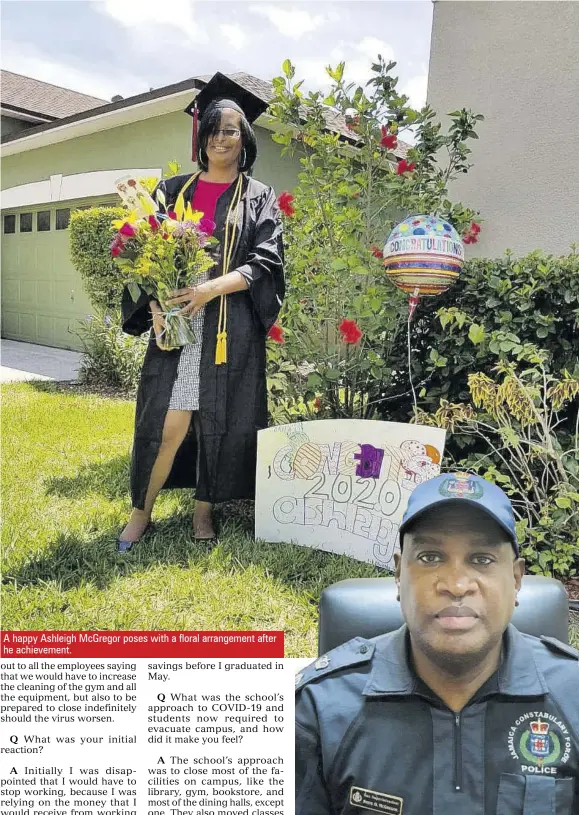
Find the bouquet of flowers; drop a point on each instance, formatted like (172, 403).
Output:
(160, 252)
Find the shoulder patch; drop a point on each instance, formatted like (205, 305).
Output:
(560, 647)
(355, 652)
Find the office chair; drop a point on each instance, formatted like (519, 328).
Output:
(367, 607)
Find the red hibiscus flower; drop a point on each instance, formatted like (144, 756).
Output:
(275, 333)
(350, 332)
(317, 403)
(285, 203)
(388, 139)
(377, 252)
(404, 167)
(128, 230)
(471, 235)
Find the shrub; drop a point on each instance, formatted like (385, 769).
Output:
(111, 358)
(496, 308)
(519, 415)
(342, 316)
(90, 239)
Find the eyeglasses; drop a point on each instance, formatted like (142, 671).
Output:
(228, 132)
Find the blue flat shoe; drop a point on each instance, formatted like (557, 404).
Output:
(123, 546)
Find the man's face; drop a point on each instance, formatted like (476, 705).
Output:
(458, 579)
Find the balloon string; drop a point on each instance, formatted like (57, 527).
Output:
(410, 364)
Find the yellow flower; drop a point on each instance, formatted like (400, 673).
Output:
(130, 217)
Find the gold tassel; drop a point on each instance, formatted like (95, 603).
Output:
(221, 348)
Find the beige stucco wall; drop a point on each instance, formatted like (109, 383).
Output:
(518, 64)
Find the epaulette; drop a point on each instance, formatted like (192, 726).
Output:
(560, 647)
(354, 652)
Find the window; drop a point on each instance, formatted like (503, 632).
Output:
(26, 222)
(43, 221)
(62, 218)
(9, 224)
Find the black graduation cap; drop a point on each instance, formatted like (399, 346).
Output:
(229, 94)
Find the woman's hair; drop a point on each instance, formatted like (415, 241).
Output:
(209, 124)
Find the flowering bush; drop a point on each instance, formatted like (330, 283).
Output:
(342, 317)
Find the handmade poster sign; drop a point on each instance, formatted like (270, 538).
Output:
(342, 485)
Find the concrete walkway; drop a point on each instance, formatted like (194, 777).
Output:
(23, 361)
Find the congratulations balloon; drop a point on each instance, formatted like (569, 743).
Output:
(423, 256)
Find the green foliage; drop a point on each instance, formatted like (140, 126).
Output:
(529, 447)
(90, 238)
(111, 358)
(348, 197)
(496, 311)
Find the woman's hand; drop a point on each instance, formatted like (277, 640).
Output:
(194, 298)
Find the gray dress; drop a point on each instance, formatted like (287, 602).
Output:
(185, 394)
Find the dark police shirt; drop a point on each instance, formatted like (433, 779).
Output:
(372, 737)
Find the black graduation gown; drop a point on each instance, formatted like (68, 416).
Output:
(232, 396)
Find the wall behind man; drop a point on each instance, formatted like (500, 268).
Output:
(518, 64)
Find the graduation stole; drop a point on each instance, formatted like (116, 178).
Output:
(227, 254)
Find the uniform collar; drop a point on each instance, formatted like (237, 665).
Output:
(392, 674)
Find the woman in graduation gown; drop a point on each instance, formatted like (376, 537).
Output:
(199, 407)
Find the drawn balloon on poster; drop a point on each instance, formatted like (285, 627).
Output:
(342, 485)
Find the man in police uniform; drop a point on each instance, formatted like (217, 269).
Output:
(456, 713)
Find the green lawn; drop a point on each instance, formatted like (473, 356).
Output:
(65, 497)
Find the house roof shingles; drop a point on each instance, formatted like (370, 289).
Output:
(35, 92)
(42, 98)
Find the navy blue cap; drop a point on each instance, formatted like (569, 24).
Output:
(462, 487)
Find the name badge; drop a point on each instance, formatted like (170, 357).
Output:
(376, 801)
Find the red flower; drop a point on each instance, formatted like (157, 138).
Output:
(388, 139)
(377, 252)
(275, 333)
(153, 223)
(131, 182)
(172, 215)
(116, 249)
(404, 167)
(317, 403)
(285, 203)
(128, 230)
(350, 332)
(353, 123)
(471, 235)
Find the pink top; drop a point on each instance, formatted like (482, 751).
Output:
(206, 195)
